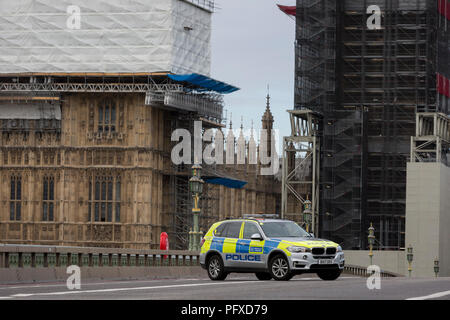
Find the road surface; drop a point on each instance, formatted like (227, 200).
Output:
(235, 287)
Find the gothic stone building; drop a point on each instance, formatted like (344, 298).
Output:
(93, 169)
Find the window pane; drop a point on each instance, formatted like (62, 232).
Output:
(113, 114)
(118, 191)
(97, 190)
(11, 211)
(18, 216)
(50, 212)
(13, 189)
(45, 189)
(103, 191)
(100, 115)
(221, 230)
(52, 190)
(19, 190)
(117, 212)
(250, 229)
(90, 191)
(233, 229)
(109, 212)
(106, 114)
(44, 215)
(96, 212)
(89, 212)
(103, 212)
(283, 229)
(110, 191)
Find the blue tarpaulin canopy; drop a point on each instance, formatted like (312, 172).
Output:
(229, 183)
(206, 83)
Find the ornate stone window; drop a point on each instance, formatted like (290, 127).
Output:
(107, 117)
(48, 198)
(15, 203)
(104, 199)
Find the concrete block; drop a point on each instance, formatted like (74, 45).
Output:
(53, 274)
(8, 276)
(61, 273)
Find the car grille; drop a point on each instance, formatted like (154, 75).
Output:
(329, 251)
(318, 251)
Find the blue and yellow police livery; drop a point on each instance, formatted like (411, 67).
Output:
(270, 248)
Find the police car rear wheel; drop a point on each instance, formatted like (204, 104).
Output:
(279, 268)
(329, 275)
(263, 276)
(216, 269)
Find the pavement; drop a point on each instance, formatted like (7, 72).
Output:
(235, 287)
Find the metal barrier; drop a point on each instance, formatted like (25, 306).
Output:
(23, 256)
(362, 271)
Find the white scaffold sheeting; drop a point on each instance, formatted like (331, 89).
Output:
(108, 36)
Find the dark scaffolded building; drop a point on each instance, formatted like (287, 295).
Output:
(368, 86)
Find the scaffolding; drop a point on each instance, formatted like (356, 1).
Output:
(209, 106)
(368, 85)
(432, 140)
(180, 206)
(315, 54)
(301, 167)
(159, 90)
(204, 4)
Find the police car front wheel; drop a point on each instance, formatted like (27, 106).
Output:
(216, 270)
(279, 268)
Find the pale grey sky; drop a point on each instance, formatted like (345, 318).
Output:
(252, 46)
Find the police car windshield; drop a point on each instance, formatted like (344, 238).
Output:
(286, 229)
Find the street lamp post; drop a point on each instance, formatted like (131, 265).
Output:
(436, 267)
(409, 258)
(307, 214)
(196, 187)
(190, 239)
(371, 239)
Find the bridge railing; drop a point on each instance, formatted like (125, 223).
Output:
(362, 272)
(23, 256)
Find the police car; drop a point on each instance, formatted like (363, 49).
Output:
(270, 248)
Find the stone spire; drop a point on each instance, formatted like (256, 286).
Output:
(267, 119)
(252, 156)
(267, 124)
(230, 144)
(231, 120)
(241, 145)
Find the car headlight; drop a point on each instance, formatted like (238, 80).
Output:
(296, 249)
(339, 249)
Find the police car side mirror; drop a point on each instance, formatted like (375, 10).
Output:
(256, 236)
